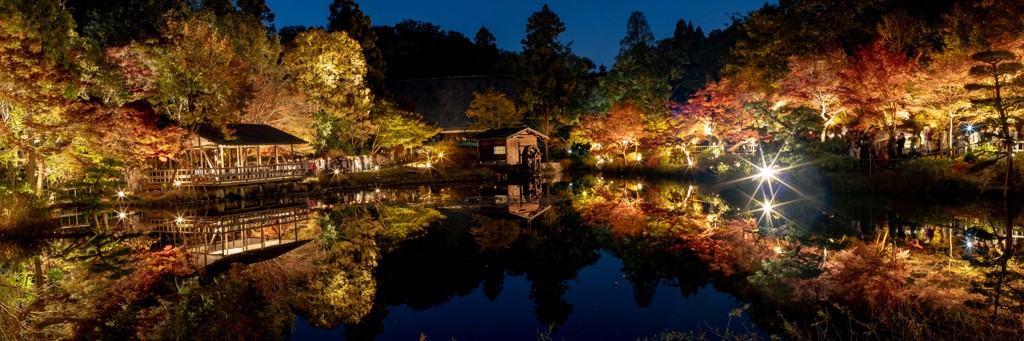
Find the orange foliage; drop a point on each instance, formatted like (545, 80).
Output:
(721, 105)
(876, 82)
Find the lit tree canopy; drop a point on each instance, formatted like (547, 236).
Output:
(620, 129)
(329, 70)
(347, 17)
(399, 128)
(814, 81)
(876, 82)
(198, 80)
(493, 110)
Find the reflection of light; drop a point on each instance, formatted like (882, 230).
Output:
(970, 128)
(778, 249)
(180, 219)
(440, 155)
(336, 171)
(767, 207)
(970, 244)
(122, 215)
(428, 164)
(177, 183)
(120, 194)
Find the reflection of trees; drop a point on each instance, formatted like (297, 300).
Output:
(248, 302)
(554, 253)
(657, 228)
(343, 288)
(493, 234)
(1003, 282)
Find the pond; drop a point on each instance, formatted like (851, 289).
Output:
(591, 258)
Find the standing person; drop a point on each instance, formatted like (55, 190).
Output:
(890, 146)
(900, 142)
(865, 148)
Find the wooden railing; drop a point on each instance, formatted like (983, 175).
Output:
(213, 237)
(225, 176)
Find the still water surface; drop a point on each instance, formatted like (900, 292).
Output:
(585, 260)
(598, 303)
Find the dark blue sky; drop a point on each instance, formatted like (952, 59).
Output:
(594, 27)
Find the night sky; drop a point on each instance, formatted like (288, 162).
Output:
(594, 27)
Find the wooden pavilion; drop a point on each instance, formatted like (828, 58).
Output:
(252, 154)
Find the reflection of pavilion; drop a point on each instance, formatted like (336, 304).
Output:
(212, 237)
(519, 200)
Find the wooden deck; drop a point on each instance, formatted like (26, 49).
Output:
(227, 176)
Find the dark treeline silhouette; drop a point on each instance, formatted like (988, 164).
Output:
(415, 49)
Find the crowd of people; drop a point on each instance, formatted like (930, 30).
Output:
(346, 164)
(901, 145)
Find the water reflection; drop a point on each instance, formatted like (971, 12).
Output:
(356, 262)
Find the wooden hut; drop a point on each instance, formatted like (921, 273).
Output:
(252, 154)
(510, 146)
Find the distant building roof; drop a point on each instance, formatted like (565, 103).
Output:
(248, 135)
(444, 101)
(506, 132)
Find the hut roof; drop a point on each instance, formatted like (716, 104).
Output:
(506, 132)
(248, 135)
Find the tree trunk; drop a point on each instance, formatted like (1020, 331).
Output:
(37, 267)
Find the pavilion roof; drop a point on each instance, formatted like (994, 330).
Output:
(248, 135)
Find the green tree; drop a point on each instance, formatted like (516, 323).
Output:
(548, 76)
(119, 22)
(485, 39)
(794, 27)
(493, 110)
(680, 53)
(346, 16)
(329, 70)
(256, 8)
(639, 74)
(40, 116)
(198, 80)
(399, 128)
(267, 95)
